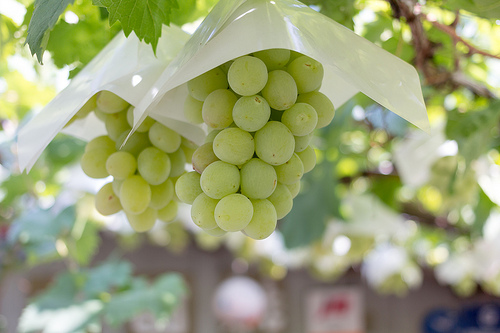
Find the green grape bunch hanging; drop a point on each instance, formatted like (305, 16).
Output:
(262, 110)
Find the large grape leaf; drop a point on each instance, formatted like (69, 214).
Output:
(45, 16)
(144, 17)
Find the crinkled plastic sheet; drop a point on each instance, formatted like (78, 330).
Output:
(232, 29)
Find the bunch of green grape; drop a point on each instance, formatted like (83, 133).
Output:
(144, 168)
(262, 109)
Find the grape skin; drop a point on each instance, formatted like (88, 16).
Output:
(135, 195)
(93, 162)
(307, 73)
(251, 113)
(203, 157)
(274, 143)
(169, 212)
(144, 221)
(106, 201)
(153, 165)
(247, 75)
(282, 200)
(201, 86)
(121, 164)
(108, 102)
(220, 179)
(322, 104)
(291, 171)
(258, 179)
(164, 138)
(217, 111)
(187, 187)
(273, 58)
(280, 91)
(301, 119)
(263, 221)
(234, 145)
(161, 194)
(233, 212)
(308, 158)
(203, 210)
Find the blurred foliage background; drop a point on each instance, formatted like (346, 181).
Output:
(385, 198)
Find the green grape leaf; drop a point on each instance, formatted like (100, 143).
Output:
(86, 244)
(144, 17)
(160, 299)
(106, 276)
(45, 16)
(489, 9)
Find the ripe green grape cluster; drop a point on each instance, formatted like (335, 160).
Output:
(261, 109)
(144, 167)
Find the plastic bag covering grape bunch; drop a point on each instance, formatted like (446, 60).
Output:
(238, 27)
(351, 63)
(126, 67)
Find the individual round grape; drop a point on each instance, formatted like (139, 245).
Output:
(201, 86)
(233, 212)
(102, 141)
(247, 75)
(274, 58)
(136, 143)
(301, 119)
(217, 111)
(153, 165)
(280, 91)
(161, 194)
(203, 157)
(274, 143)
(264, 220)
(116, 124)
(117, 184)
(301, 142)
(216, 232)
(211, 135)
(121, 164)
(307, 73)
(187, 187)
(192, 110)
(164, 138)
(282, 200)
(169, 212)
(108, 102)
(294, 188)
(106, 201)
(322, 104)
(144, 126)
(251, 113)
(203, 210)
(234, 145)
(144, 221)
(93, 162)
(308, 158)
(258, 179)
(291, 171)
(135, 195)
(220, 179)
(177, 162)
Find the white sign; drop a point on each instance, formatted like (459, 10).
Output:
(335, 310)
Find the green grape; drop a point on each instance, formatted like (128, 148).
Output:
(251, 113)
(93, 162)
(294, 188)
(164, 138)
(282, 200)
(220, 179)
(280, 91)
(102, 141)
(234, 145)
(217, 111)
(273, 58)
(274, 143)
(203, 157)
(225, 66)
(106, 201)
(247, 75)
(135, 195)
(307, 73)
(117, 184)
(301, 142)
(294, 55)
(258, 179)
(188, 147)
(169, 212)
(135, 144)
(308, 158)
(108, 102)
(153, 165)
(144, 221)
(263, 221)
(301, 119)
(200, 87)
(84, 111)
(233, 212)
(216, 232)
(144, 126)
(177, 162)
(121, 164)
(187, 187)
(322, 104)
(100, 115)
(192, 110)
(116, 124)
(203, 210)
(291, 171)
(161, 194)
(211, 135)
